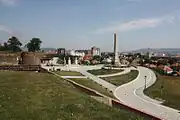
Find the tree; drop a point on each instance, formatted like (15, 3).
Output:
(13, 44)
(87, 62)
(4, 47)
(97, 58)
(162, 62)
(138, 55)
(130, 61)
(172, 61)
(34, 45)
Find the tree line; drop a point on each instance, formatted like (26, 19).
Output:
(14, 45)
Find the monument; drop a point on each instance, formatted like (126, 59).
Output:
(64, 61)
(76, 61)
(116, 55)
(69, 61)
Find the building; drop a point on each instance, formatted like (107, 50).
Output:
(166, 69)
(76, 53)
(61, 51)
(87, 57)
(95, 51)
(52, 52)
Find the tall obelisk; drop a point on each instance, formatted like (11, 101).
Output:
(116, 55)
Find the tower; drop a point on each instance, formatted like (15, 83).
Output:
(116, 55)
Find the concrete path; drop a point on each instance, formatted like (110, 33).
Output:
(131, 94)
(98, 80)
(125, 71)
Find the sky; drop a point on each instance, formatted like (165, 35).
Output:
(81, 24)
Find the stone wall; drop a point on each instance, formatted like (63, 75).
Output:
(8, 58)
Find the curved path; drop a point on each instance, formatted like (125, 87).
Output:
(98, 80)
(125, 71)
(111, 87)
(131, 94)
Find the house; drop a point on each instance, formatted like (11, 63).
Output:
(166, 69)
(87, 57)
(152, 66)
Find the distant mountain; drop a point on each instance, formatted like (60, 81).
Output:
(48, 49)
(172, 51)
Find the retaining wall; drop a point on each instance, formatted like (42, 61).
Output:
(22, 68)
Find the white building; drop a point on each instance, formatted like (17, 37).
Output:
(95, 51)
(75, 53)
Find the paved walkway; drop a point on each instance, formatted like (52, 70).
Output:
(125, 71)
(98, 80)
(131, 94)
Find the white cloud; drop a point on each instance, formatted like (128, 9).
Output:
(8, 2)
(136, 24)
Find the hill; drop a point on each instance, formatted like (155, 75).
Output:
(42, 96)
(171, 51)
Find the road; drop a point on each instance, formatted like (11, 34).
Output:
(131, 94)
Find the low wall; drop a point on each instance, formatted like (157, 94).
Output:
(88, 91)
(22, 68)
(83, 88)
(8, 60)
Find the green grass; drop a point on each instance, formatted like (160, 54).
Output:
(69, 73)
(122, 79)
(42, 96)
(104, 71)
(90, 84)
(166, 88)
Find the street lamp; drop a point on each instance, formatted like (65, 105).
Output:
(145, 77)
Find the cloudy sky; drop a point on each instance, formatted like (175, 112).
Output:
(80, 24)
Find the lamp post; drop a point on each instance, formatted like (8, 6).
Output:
(145, 77)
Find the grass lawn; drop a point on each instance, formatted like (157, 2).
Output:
(90, 84)
(104, 71)
(166, 88)
(42, 96)
(122, 79)
(69, 73)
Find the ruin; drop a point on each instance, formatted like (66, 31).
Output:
(30, 58)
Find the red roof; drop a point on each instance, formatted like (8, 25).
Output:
(87, 57)
(168, 69)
